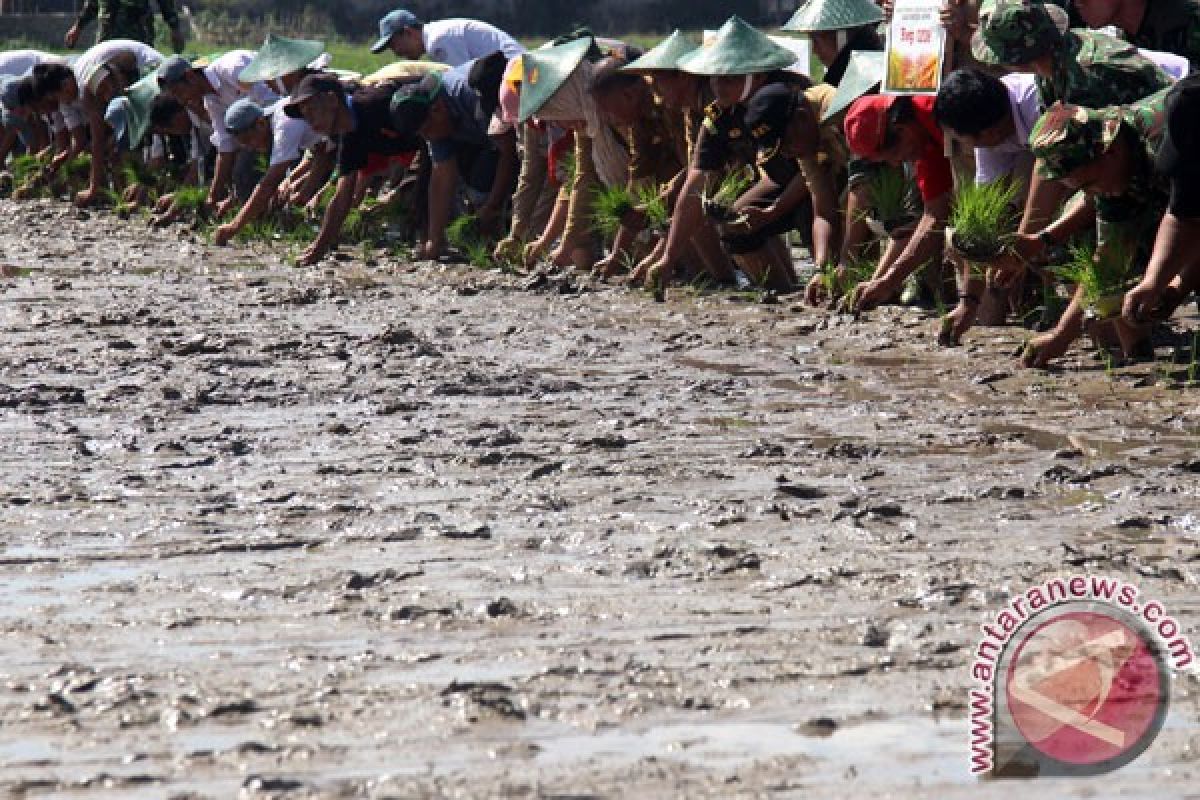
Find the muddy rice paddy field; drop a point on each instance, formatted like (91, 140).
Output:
(380, 529)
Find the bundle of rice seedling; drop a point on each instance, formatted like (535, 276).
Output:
(983, 217)
(610, 204)
(1103, 273)
(652, 204)
(718, 206)
(891, 198)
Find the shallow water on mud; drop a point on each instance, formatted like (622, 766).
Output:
(380, 530)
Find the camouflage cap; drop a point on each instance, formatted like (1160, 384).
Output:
(1017, 31)
(1066, 138)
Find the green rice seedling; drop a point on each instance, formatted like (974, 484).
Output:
(840, 280)
(190, 200)
(650, 200)
(78, 171)
(890, 193)
(26, 168)
(610, 204)
(262, 229)
(113, 198)
(718, 205)
(569, 168)
(463, 235)
(1102, 272)
(983, 217)
(358, 224)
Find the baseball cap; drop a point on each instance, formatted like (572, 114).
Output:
(312, 86)
(392, 24)
(242, 115)
(867, 123)
(173, 70)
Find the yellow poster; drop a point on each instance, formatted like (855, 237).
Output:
(915, 48)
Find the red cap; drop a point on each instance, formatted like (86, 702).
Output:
(866, 124)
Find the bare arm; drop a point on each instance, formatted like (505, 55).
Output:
(258, 204)
(442, 183)
(99, 168)
(222, 175)
(335, 217)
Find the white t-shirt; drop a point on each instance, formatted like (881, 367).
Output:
(290, 137)
(15, 63)
(222, 75)
(457, 41)
(992, 163)
(1005, 158)
(147, 58)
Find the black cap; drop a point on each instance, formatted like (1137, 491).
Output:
(1181, 130)
(769, 112)
(316, 84)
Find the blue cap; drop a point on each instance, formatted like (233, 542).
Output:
(8, 93)
(242, 115)
(392, 24)
(117, 116)
(173, 70)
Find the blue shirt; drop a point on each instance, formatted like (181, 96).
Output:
(470, 124)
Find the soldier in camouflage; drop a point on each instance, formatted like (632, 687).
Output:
(127, 19)
(1076, 66)
(1172, 26)
(1109, 155)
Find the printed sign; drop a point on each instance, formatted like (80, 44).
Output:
(915, 48)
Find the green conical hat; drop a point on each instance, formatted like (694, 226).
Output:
(738, 49)
(280, 56)
(833, 15)
(863, 73)
(547, 70)
(141, 98)
(665, 56)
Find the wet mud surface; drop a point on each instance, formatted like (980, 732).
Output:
(386, 530)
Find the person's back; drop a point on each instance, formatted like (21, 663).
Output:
(458, 41)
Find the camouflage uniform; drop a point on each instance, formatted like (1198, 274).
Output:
(1090, 69)
(126, 19)
(1172, 26)
(1069, 137)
